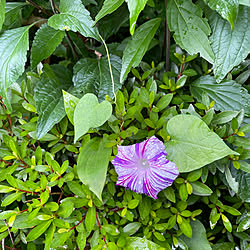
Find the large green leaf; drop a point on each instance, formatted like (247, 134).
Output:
(226, 8)
(38, 230)
(108, 7)
(138, 46)
(245, 2)
(44, 43)
(92, 165)
(135, 8)
(90, 114)
(2, 12)
(190, 29)
(93, 76)
(229, 46)
(49, 101)
(193, 145)
(228, 95)
(140, 244)
(199, 235)
(13, 52)
(73, 16)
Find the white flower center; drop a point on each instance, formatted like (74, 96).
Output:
(144, 163)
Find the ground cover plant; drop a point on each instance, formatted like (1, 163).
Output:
(124, 124)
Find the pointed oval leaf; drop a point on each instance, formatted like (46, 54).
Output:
(190, 29)
(191, 137)
(38, 230)
(73, 16)
(141, 243)
(2, 12)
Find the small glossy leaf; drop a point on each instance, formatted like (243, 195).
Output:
(141, 243)
(65, 209)
(49, 237)
(38, 230)
(186, 228)
(201, 189)
(11, 198)
(131, 228)
(90, 219)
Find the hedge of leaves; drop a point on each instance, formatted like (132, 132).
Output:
(79, 78)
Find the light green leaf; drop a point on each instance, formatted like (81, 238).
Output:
(199, 235)
(93, 76)
(138, 46)
(11, 198)
(201, 189)
(70, 103)
(131, 228)
(190, 29)
(191, 137)
(49, 101)
(230, 47)
(2, 12)
(66, 208)
(92, 165)
(244, 224)
(38, 230)
(245, 2)
(45, 42)
(108, 7)
(141, 243)
(90, 219)
(49, 237)
(226, 8)
(135, 8)
(73, 16)
(13, 52)
(90, 114)
(228, 95)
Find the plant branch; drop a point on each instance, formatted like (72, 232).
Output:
(71, 44)
(12, 241)
(99, 225)
(38, 7)
(78, 223)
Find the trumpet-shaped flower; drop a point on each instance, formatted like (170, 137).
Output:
(143, 167)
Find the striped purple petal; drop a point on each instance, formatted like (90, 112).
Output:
(143, 167)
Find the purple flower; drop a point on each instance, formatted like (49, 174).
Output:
(143, 167)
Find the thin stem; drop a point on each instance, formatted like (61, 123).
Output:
(9, 118)
(71, 44)
(182, 66)
(38, 7)
(99, 225)
(167, 34)
(53, 6)
(28, 192)
(78, 223)
(12, 241)
(110, 68)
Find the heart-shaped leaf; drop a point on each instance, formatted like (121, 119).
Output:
(193, 145)
(90, 114)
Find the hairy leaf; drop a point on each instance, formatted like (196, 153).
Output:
(44, 43)
(226, 8)
(93, 76)
(13, 51)
(135, 8)
(92, 165)
(108, 7)
(190, 29)
(2, 12)
(73, 16)
(191, 137)
(228, 95)
(229, 46)
(138, 46)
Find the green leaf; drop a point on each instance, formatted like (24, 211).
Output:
(90, 114)
(186, 228)
(135, 7)
(11, 198)
(245, 2)
(90, 219)
(13, 52)
(6, 189)
(201, 141)
(66, 208)
(164, 101)
(131, 228)
(138, 46)
(49, 237)
(81, 240)
(73, 16)
(92, 165)
(133, 203)
(2, 12)
(44, 44)
(38, 230)
(228, 95)
(141, 243)
(199, 235)
(190, 29)
(70, 103)
(76, 188)
(226, 223)
(224, 246)
(244, 224)
(226, 8)
(108, 7)
(201, 189)
(230, 47)
(49, 101)
(93, 76)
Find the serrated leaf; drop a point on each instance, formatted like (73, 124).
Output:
(13, 52)
(2, 12)
(135, 8)
(228, 9)
(138, 46)
(191, 137)
(38, 230)
(108, 7)
(89, 113)
(45, 42)
(93, 76)
(92, 165)
(190, 29)
(228, 95)
(73, 16)
(49, 101)
(230, 47)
